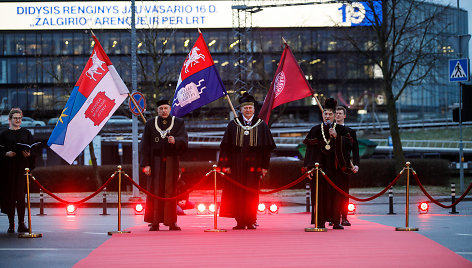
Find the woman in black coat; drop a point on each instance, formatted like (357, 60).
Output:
(14, 161)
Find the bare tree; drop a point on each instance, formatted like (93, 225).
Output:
(158, 72)
(408, 34)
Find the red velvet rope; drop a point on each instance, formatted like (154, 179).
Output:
(75, 202)
(177, 197)
(361, 199)
(228, 178)
(434, 200)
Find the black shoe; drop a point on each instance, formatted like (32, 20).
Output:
(345, 223)
(22, 228)
(239, 227)
(154, 227)
(174, 227)
(251, 227)
(338, 226)
(11, 228)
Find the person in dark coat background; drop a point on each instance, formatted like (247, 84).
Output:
(244, 155)
(14, 161)
(340, 117)
(321, 144)
(164, 140)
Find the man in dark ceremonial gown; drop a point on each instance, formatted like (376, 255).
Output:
(13, 162)
(245, 156)
(354, 145)
(321, 144)
(164, 141)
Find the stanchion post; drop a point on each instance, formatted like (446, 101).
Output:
(307, 197)
(407, 228)
(41, 203)
(317, 228)
(104, 203)
(29, 234)
(119, 206)
(215, 213)
(453, 198)
(390, 201)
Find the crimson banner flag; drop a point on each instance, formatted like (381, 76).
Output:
(289, 84)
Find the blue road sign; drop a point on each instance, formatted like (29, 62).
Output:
(140, 101)
(458, 70)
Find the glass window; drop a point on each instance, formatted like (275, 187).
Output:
(3, 71)
(12, 71)
(32, 46)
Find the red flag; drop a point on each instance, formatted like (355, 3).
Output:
(289, 84)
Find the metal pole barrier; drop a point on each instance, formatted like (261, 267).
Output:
(307, 197)
(104, 202)
(317, 228)
(29, 234)
(453, 198)
(119, 206)
(390, 202)
(406, 228)
(41, 203)
(215, 213)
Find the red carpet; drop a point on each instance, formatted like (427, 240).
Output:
(280, 241)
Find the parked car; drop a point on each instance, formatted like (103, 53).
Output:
(26, 122)
(119, 120)
(53, 121)
(30, 122)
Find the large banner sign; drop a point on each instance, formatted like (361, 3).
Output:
(175, 14)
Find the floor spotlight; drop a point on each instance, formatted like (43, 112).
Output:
(351, 208)
(201, 208)
(261, 207)
(423, 207)
(139, 209)
(274, 208)
(71, 209)
(211, 208)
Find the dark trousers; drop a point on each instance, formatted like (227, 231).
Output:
(20, 208)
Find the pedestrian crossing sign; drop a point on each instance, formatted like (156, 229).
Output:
(458, 70)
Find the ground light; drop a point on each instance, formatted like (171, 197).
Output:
(139, 209)
(274, 208)
(201, 208)
(423, 207)
(211, 208)
(261, 207)
(71, 209)
(351, 208)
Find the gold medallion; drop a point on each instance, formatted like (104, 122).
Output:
(156, 139)
(164, 122)
(246, 132)
(327, 147)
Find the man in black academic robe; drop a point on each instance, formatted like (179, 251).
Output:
(245, 156)
(321, 144)
(164, 140)
(354, 167)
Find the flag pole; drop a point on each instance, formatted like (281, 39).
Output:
(231, 105)
(318, 102)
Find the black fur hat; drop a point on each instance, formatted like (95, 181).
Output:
(246, 99)
(330, 103)
(162, 102)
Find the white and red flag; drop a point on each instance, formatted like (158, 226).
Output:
(289, 84)
(95, 97)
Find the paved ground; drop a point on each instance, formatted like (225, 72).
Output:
(68, 239)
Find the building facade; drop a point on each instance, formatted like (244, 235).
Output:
(45, 47)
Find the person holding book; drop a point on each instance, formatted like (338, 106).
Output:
(15, 157)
